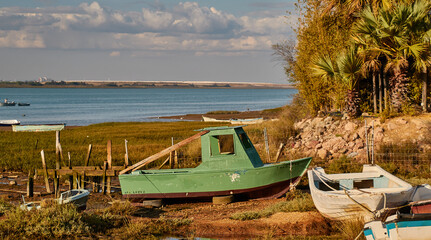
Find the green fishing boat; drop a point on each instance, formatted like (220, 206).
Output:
(230, 166)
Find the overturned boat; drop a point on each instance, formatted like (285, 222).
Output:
(230, 166)
(347, 195)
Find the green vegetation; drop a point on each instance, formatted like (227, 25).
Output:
(366, 55)
(295, 202)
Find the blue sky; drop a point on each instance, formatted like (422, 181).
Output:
(209, 40)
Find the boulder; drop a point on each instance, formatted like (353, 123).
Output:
(322, 153)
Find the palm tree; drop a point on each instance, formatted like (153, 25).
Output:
(347, 71)
(395, 33)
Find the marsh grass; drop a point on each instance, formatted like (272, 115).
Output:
(5, 206)
(295, 202)
(21, 150)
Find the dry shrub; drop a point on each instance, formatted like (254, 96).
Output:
(5, 206)
(58, 221)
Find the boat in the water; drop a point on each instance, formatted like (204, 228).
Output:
(38, 127)
(9, 122)
(7, 103)
(350, 195)
(230, 166)
(23, 104)
(410, 221)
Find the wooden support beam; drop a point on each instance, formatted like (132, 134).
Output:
(45, 172)
(163, 164)
(91, 173)
(162, 153)
(175, 159)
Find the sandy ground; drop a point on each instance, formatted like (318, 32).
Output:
(208, 220)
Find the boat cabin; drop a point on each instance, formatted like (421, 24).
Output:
(227, 148)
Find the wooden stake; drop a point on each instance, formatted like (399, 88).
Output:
(171, 156)
(45, 172)
(70, 176)
(109, 166)
(30, 184)
(176, 159)
(87, 159)
(105, 163)
(126, 156)
(280, 151)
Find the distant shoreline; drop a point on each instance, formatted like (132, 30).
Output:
(142, 84)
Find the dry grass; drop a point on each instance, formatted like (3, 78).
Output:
(295, 202)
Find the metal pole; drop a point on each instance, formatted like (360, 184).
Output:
(266, 144)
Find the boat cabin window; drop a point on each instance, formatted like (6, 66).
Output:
(245, 141)
(224, 145)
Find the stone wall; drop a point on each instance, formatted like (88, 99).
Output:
(332, 137)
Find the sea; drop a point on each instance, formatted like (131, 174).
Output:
(85, 106)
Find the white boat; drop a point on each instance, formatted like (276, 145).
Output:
(78, 197)
(9, 122)
(246, 121)
(208, 119)
(38, 127)
(350, 195)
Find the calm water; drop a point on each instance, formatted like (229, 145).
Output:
(87, 106)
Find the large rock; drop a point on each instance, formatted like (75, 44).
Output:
(322, 153)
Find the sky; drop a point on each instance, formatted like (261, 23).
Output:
(140, 40)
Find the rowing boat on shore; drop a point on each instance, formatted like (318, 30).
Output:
(348, 195)
(234, 120)
(208, 119)
(38, 128)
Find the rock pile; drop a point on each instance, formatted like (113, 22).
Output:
(331, 137)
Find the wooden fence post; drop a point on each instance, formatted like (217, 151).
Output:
(280, 151)
(30, 184)
(126, 156)
(70, 176)
(105, 163)
(45, 172)
(108, 179)
(87, 159)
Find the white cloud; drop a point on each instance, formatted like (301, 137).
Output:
(115, 54)
(186, 27)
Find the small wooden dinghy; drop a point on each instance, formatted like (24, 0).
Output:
(9, 122)
(38, 127)
(347, 195)
(78, 197)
